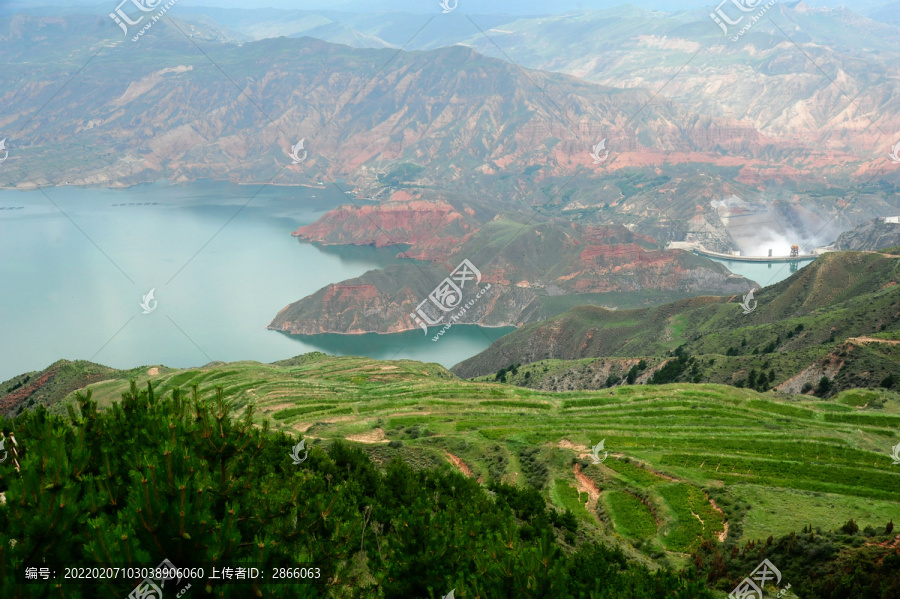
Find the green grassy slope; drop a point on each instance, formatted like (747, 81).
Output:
(50, 385)
(813, 321)
(672, 447)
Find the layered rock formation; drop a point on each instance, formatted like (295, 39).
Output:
(877, 234)
(433, 228)
(526, 266)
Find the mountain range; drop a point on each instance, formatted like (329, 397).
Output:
(628, 46)
(602, 152)
(663, 92)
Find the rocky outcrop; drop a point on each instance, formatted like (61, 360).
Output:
(48, 386)
(524, 270)
(432, 228)
(11, 401)
(385, 301)
(877, 234)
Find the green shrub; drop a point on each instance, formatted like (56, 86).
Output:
(180, 479)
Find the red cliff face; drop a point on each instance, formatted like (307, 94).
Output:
(11, 401)
(543, 260)
(432, 228)
(624, 266)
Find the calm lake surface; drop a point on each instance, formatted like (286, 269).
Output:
(75, 264)
(764, 273)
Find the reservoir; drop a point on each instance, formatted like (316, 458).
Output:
(76, 264)
(763, 273)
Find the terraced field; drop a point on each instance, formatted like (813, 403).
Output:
(771, 464)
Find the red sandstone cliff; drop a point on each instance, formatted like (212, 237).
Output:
(524, 270)
(433, 228)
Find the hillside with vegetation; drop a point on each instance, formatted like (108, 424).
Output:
(418, 482)
(534, 270)
(179, 478)
(837, 319)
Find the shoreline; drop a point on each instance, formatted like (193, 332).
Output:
(482, 326)
(33, 186)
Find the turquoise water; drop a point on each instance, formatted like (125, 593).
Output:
(764, 273)
(75, 264)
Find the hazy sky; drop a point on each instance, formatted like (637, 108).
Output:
(480, 6)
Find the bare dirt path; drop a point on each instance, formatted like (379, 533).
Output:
(376, 436)
(887, 544)
(697, 516)
(566, 444)
(302, 427)
(586, 485)
(864, 340)
(724, 534)
(460, 465)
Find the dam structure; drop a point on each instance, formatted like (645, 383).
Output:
(793, 256)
